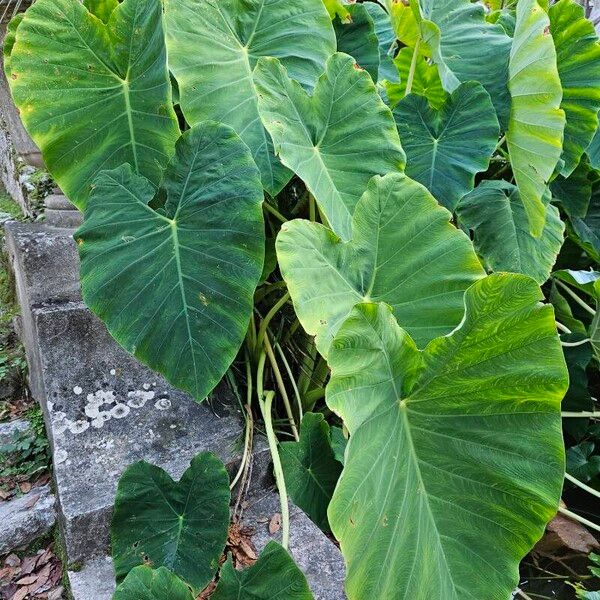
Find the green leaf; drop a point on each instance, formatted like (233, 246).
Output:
(179, 525)
(214, 47)
(455, 462)
(144, 583)
(586, 231)
(94, 97)
(536, 125)
(175, 287)
(337, 8)
(357, 38)
(454, 30)
(593, 150)
(387, 42)
(338, 443)
(446, 148)
(310, 468)
(9, 41)
(578, 60)
(421, 268)
(103, 9)
(405, 22)
(495, 213)
(574, 192)
(335, 141)
(582, 463)
(274, 576)
(426, 80)
(586, 281)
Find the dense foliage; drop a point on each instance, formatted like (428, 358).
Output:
(403, 175)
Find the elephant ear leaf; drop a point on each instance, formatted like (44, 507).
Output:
(578, 60)
(420, 269)
(453, 30)
(103, 9)
(145, 583)
(179, 525)
(9, 41)
(358, 39)
(334, 141)
(446, 148)
(273, 575)
(495, 213)
(214, 47)
(387, 42)
(466, 436)
(536, 125)
(311, 469)
(175, 287)
(94, 97)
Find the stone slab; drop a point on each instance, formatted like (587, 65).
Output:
(25, 519)
(12, 428)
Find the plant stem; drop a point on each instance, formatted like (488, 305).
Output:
(249, 425)
(288, 370)
(584, 414)
(563, 328)
(281, 386)
(265, 407)
(312, 208)
(521, 593)
(413, 68)
(575, 297)
(502, 140)
(265, 322)
(274, 212)
(573, 344)
(583, 486)
(579, 519)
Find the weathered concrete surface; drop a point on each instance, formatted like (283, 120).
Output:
(94, 581)
(26, 518)
(12, 428)
(59, 212)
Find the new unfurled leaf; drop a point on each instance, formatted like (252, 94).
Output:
(455, 462)
(310, 468)
(214, 47)
(578, 61)
(446, 148)
(357, 38)
(94, 97)
(454, 30)
(175, 287)
(145, 583)
(536, 125)
(495, 213)
(274, 576)
(420, 268)
(334, 140)
(181, 525)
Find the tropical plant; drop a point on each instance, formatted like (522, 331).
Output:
(347, 210)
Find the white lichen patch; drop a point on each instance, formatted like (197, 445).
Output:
(113, 371)
(120, 411)
(162, 404)
(60, 456)
(138, 398)
(78, 426)
(77, 390)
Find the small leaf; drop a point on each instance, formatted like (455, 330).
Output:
(214, 48)
(574, 192)
(144, 583)
(310, 468)
(578, 60)
(338, 443)
(446, 148)
(536, 125)
(457, 462)
(357, 38)
(334, 141)
(94, 97)
(586, 231)
(176, 288)
(274, 575)
(421, 269)
(495, 213)
(179, 525)
(582, 461)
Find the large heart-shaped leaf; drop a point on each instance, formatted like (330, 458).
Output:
(404, 252)
(455, 462)
(214, 47)
(274, 576)
(175, 287)
(333, 140)
(446, 148)
(578, 60)
(536, 125)
(179, 525)
(310, 468)
(357, 38)
(454, 30)
(93, 96)
(495, 213)
(145, 583)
